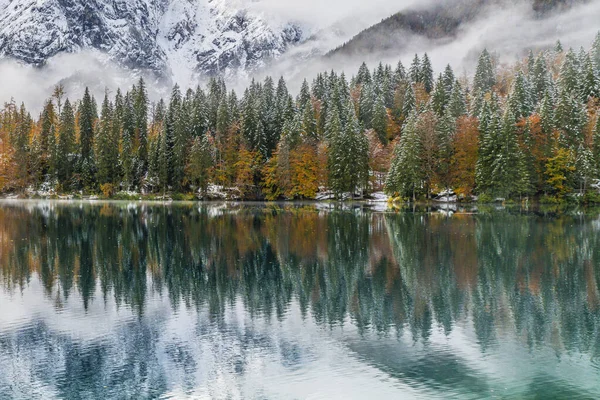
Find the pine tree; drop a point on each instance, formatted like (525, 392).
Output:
(47, 140)
(449, 79)
(66, 146)
(348, 153)
(224, 119)
(366, 105)
(399, 74)
(106, 149)
(200, 163)
(127, 143)
(485, 76)
(570, 77)
(439, 98)
(409, 105)
(445, 130)
(571, 118)
(426, 73)
(590, 86)
(476, 106)
(140, 108)
(586, 168)
(405, 177)
(304, 96)
(457, 105)
(489, 128)
(520, 102)
(541, 80)
(309, 122)
(87, 117)
(596, 143)
(508, 175)
(364, 75)
(414, 73)
(379, 119)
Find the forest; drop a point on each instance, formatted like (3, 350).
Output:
(528, 130)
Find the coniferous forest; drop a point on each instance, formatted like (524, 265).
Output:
(526, 130)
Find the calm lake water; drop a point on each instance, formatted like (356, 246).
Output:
(124, 300)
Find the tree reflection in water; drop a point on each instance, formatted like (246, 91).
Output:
(529, 277)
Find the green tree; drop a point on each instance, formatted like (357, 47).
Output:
(405, 177)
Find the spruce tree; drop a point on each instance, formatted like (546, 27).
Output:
(106, 149)
(140, 108)
(520, 102)
(457, 105)
(508, 175)
(379, 119)
(304, 95)
(485, 76)
(570, 77)
(439, 98)
(405, 176)
(399, 75)
(366, 105)
(66, 146)
(364, 75)
(47, 139)
(414, 73)
(87, 117)
(201, 160)
(309, 122)
(127, 143)
(426, 73)
(449, 79)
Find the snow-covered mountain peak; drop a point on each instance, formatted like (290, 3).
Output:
(175, 38)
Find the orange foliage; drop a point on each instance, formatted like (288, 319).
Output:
(304, 173)
(466, 143)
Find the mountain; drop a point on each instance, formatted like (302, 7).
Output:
(164, 36)
(438, 22)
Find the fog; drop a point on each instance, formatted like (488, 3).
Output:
(507, 31)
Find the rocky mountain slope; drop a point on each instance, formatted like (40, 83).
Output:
(165, 36)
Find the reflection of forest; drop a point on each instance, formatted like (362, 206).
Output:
(535, 277)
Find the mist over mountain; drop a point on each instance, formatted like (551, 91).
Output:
(440, 23)
(110, 43)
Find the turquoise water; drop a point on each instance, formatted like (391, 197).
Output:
(141, 300)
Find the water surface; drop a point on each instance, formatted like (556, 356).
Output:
(134, 300)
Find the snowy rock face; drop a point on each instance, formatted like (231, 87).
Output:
(165, 36)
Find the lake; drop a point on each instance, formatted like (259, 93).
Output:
(102, 300)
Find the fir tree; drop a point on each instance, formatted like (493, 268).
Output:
(414, 73)
(405, 177)
(439, 97)
(304, 95)
(449, 79)
(399, 74)
(140, 108)
(66, 146)
(485, 76)
(127, 143)
(106, 149)
(87, 117)
(570, 77)
(47, 139)
(201, 161)
(379, 119)
(520, 102)
(309, 122)
(457, 105)
(426, 73)
(366, 105)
